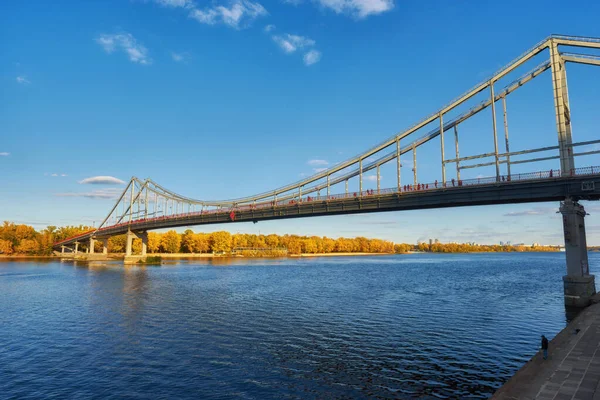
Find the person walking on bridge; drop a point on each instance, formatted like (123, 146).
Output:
(545, 346)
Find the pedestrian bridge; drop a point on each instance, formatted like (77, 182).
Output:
(145, 205)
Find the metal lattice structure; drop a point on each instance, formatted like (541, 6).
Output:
(144, 204)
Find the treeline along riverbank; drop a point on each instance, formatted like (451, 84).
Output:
(25, 240)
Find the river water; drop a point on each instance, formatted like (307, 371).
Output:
(407, 326)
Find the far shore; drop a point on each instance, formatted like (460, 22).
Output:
(118, 256)
(337, 254)
(197, 255)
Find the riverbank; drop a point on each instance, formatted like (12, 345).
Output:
(572, 370)
(308, 255)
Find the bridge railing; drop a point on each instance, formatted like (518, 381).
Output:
(452, 184)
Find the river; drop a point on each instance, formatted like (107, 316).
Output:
(407, 326)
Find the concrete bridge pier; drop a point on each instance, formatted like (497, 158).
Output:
(579, 285)
(92, 244)
(138, 235)
(105, 246)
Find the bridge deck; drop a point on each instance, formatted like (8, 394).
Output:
(537, 187)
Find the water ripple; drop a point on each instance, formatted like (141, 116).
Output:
(416, 326)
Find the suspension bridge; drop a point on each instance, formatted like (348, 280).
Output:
(145, 205)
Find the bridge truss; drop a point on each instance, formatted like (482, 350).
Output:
(144, 200)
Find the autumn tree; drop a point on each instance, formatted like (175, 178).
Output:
(154, 242)
(170, 242)
(201, 242)
(220, 242)
(188, 244)
(117, 244)
(6, 247)
(28, 246)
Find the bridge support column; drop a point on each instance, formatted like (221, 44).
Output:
(105, 246)
(91, 247)
(62, 249)
(129, 243)
(579, 285)
(144, 237)
(76, 247)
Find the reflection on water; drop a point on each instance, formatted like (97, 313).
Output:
(415, 326)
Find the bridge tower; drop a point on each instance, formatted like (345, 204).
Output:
(579, 285)
(562, 110)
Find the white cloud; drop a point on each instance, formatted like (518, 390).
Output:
(358, 8)
(175, 3)
(125, 42)
(22, 80)
(95, 194)
(4, 154)
(317, 162)
(290, 43)
(102, 180)
(180, 57)
(372, 178)
(312, 57)
(269, 28)
(63, 175)
(319, 169)
(54, 175)
(240, 13)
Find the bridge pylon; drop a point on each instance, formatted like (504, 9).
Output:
(136, 235)
(579, 285)
(562, 109)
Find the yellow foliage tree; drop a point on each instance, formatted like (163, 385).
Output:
(6, 247)
(220, 242)
(28, 246)
(154, 242)
(170, 242)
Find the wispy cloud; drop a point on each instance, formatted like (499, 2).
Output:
(4, 154)
(312, 57)
(269, 28)
(317, 162)
(23, 80)
(319, 169)
(180, 57)
(531, 212)
(358, 8)
(372, 178)
(175, 3)
(125, 42)
(290, 43)
(239, 14)
(55, 175)
(95, 194)
(102, 180)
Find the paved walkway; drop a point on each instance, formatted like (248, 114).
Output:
(572, 370)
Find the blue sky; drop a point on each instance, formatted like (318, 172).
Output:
(229, 98)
